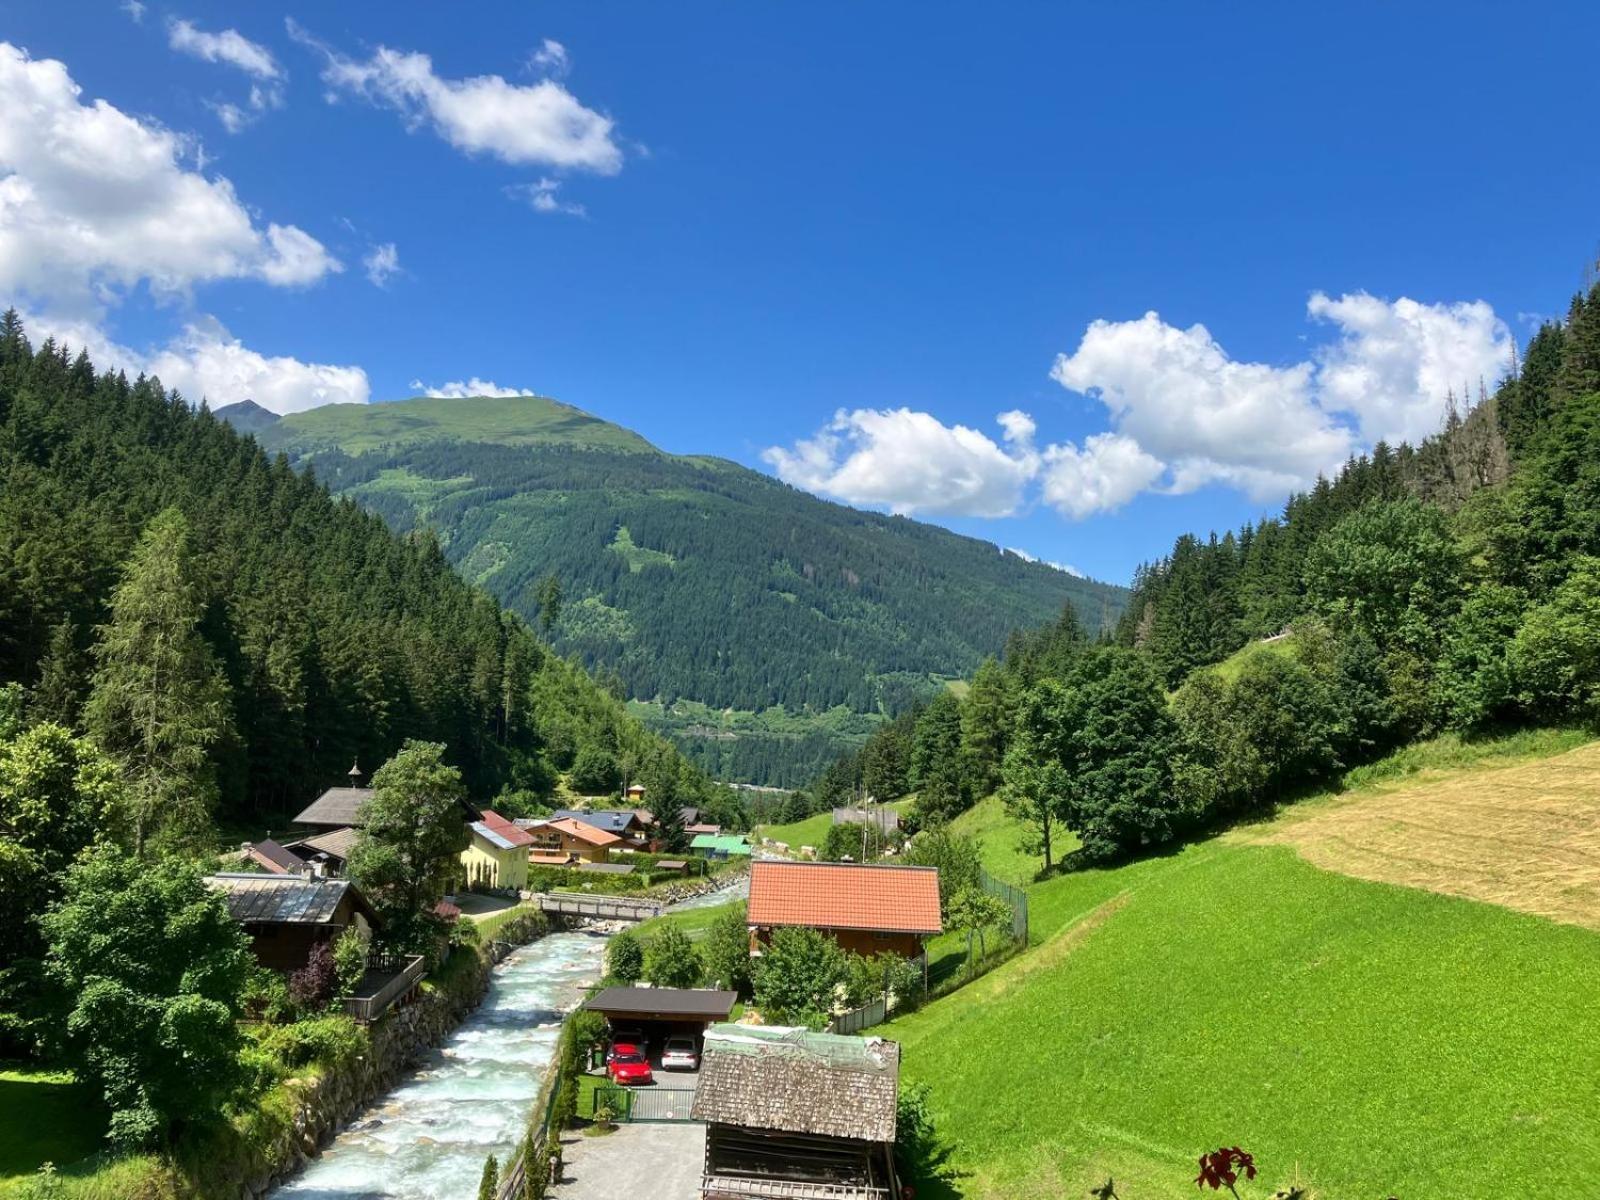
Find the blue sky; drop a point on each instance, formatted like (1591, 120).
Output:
(817, 239)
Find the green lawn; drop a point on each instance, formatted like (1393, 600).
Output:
(696, 922)
(45, 1116)
(813, 831)
(1366, 1039)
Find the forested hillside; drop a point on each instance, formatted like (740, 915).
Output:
(315, 636)
(689, 578)
(1451, 586)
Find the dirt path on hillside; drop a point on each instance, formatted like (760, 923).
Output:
(1526, 837)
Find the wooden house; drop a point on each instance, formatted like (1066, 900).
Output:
(867, 909)
(286, 916)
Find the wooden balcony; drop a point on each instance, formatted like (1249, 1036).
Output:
(388, 979)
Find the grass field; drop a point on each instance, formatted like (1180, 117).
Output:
(1364, 1038)
(45, 1116)
(813, 831)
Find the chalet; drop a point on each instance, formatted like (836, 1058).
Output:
(866, 909)
(570, 838)
(797, 1114)
(286, 916)
(497, 855)
(630, 828)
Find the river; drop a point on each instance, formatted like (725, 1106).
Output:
(427, 1139)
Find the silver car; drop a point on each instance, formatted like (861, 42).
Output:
(679, 1054)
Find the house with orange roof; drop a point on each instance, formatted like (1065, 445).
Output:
(566, 839)
(866, 908)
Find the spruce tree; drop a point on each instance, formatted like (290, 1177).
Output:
(159, 702)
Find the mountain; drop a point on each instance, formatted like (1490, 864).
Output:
(336, 638)
(246, 416)
(765, 629)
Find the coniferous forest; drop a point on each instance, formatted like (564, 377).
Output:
(319, 638)
(1449, 586)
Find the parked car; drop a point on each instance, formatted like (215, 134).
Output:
(630, 1068)
(628, 1041)
(679, 1054)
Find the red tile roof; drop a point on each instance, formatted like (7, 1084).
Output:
(583, 831)
(845, 896)
(507, 829)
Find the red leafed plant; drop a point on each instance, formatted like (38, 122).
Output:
(1221, 1168)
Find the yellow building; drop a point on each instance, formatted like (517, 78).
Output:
(498, 854)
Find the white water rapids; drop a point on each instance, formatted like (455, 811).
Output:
(427, 1139)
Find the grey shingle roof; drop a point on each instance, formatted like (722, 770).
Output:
(284, 899)
(336, 806)
(337, 843)
(796, 1081)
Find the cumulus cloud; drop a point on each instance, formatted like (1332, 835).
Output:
(542, 196)
(540, 124)
(206, 362)
(382, 263)
(910, 462)
(92, 201)
(1183, 413)
(1395, 362)
(462, 389)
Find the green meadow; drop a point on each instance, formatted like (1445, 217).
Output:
(1361, 1039)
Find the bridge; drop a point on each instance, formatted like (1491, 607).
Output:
(602, 908)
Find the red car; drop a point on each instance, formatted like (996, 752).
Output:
(628, 1066)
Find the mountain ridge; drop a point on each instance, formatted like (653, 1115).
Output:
(691, 577)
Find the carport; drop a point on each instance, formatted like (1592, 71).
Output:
(659, 1013)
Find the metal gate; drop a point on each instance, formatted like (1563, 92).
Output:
(645, 1104)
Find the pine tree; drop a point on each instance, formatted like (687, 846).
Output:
(59, 693)
(159, 701)
(489, 1185)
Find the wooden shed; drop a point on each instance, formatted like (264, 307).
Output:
(793, 1113)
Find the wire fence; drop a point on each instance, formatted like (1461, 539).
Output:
(1012, 895)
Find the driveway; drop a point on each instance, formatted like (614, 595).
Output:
(658, 1161)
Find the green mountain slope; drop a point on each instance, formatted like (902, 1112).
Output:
(690, 578)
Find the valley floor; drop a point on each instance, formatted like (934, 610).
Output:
(1359, 1037)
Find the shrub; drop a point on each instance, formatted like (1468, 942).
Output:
(266, 997)
(797, 977)
(625, 957)
(329, 1041)
(349, 960)
(489, 1184)
(311, 987)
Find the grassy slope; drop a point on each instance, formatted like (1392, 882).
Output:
(510, 420)
(1375, 1039)
(812, 831)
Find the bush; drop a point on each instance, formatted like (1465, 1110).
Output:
(349, 960)
(329, 1041)
(311, 987)
(797, 977)
(625, 957)
(266, 997)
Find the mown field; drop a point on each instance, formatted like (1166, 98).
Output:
(1362, 1038)
(813, 831)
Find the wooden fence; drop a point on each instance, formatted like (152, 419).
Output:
(408, 971)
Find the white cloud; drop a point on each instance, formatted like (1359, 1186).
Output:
(1033, 558)
(382, 264)
(551, 56)
(541, 196)
(460, 389)
(911, 463)
(1105, 474)
(1183, 415)
(1179, 397)
(229, 47)
(1395, 362)
(207, 362)
(92, 201)
(1201, 417)
(537, 124)
(134, 9)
